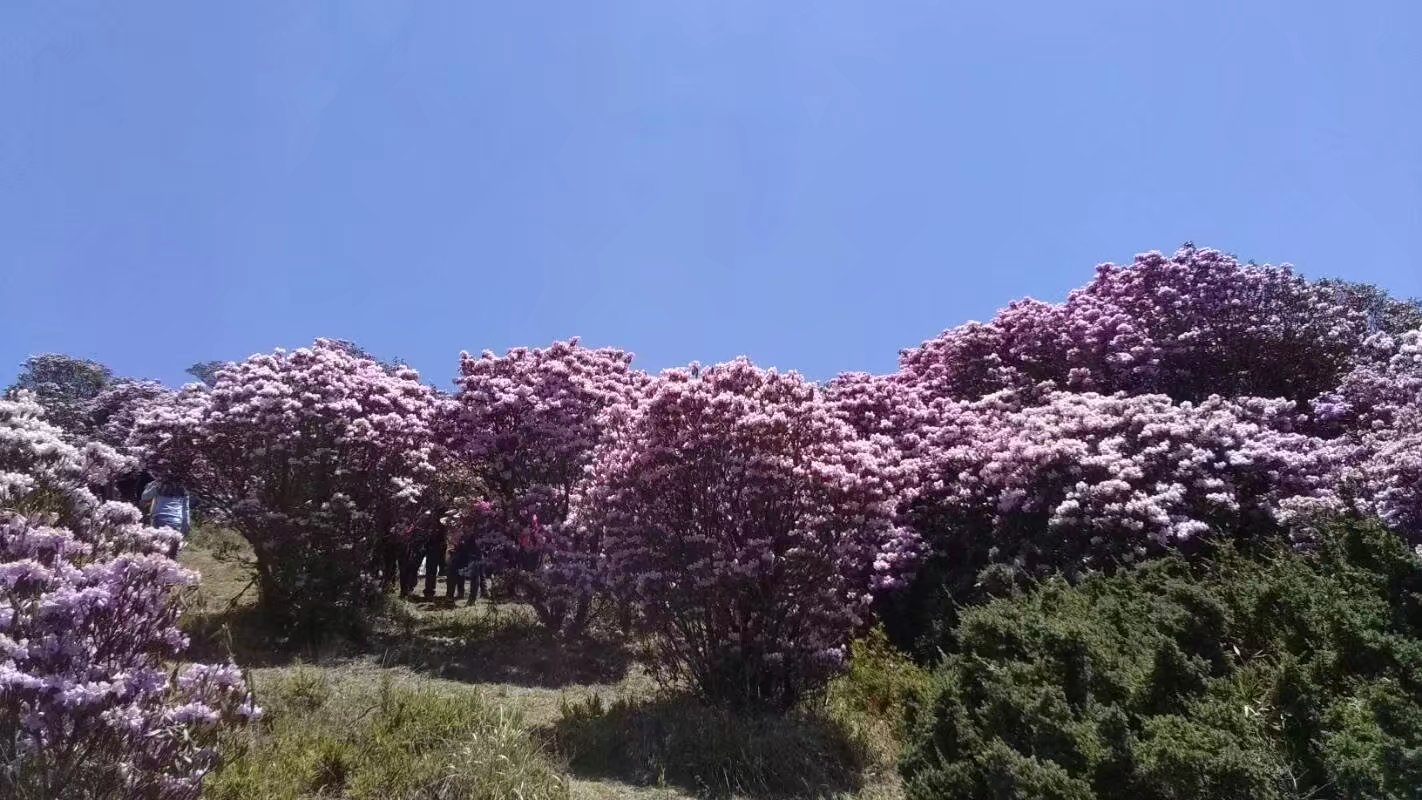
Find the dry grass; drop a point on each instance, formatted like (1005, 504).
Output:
(580, 711)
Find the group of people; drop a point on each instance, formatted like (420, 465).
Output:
(454, 540)
(446, 543)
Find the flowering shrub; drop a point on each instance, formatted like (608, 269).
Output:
(750, 525)
(882, 406)
(525, 424)
(1386, 380)
(1392, 475)
(88, 706)
(310, 455)
(1020, 484)
(1385, 313)
(1083, 478)
(1193, 325)
(114, 412)
(1376, 416)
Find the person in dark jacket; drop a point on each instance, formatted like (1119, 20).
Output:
(434, 556)
(466, 557)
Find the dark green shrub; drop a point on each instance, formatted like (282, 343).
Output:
(1286, 676)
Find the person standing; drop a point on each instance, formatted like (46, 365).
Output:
(466, 554)
(165, 503)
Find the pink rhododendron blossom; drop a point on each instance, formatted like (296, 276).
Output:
(1079, 480)
(114, 412)
(1392, 475)
(1376, 415)
(88, 629)
(525, 424)
(1191, 325)
(312, 456)
(1387, 380)
(750, 524)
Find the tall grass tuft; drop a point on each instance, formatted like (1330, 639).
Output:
(366, 740)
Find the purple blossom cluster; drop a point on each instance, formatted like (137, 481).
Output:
(1391, 470)
(113, 414)
(1189, 326)
(1167, 401)
(89, 705)
(1079, 480)
(1377, 414)
(312, 455)
(525, 424)
(751, 526)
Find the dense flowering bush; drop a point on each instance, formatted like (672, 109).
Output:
(114, 412)
(884, 407)
(311, 455)
(1192, 325)
(1019, 484)
(1392, 475)
(1386, 380)
(1375, 415)
(751, 526)
(525, 423)
(1080, 479)
(1385, 313)
(1165, 400)
(89, 707)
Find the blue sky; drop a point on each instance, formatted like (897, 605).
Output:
(812, 184)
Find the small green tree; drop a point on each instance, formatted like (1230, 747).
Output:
(63, 385)
(206, 371)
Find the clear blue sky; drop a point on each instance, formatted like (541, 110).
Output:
(813, 184)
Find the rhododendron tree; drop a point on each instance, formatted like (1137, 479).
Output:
(751, 526)
(311, 455)
(881, 406)
(1021, 484)
(114, 412)
(89, 704)
(1082, 479)
(525, 425)
(1386, 381)
(1191, 325)
(1376, 415)
(1391, 475)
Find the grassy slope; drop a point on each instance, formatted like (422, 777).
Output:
(587, 707)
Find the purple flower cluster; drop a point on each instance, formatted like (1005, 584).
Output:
(311, 455)
(1378, 411)
(114, 412)
(525, 424)
(1080, 479)
(1189, 326)
(751, 526)
(87, 632)
(1167, 400)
